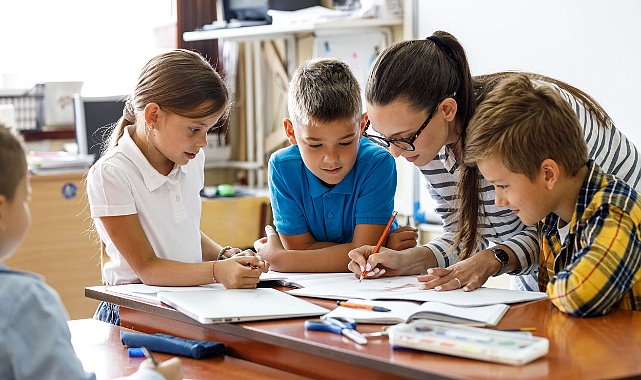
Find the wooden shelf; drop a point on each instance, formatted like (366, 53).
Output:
(57, 134)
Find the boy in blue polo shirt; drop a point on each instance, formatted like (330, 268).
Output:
(331, 190)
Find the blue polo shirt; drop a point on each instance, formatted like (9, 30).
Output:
(301, 202)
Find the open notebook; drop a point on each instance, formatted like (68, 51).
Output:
(239, 305)
(404, 311)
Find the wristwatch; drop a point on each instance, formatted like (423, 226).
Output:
(502, 257)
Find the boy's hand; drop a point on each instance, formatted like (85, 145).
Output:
(270, 245)
(386, 262)
(171, 369)
(240, 272)
(402, 238)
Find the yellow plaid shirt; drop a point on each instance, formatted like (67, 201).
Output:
(598, 266)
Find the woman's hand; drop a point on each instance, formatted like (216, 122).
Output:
(468, 274)
(385, 262)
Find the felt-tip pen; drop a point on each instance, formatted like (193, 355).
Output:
(519, 329)
(361, 306)
(250, 265)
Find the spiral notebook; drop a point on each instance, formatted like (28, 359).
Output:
(239, 305)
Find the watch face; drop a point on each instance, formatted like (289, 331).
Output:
(501, 255)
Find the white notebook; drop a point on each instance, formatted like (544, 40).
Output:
(403, 311)
(408, 288)
(239, 305)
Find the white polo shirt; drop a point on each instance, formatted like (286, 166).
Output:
(123, 182)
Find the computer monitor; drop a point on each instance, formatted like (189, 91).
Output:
(245, 10)
(93, 117)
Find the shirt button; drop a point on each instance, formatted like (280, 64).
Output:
(330, 215)
(329, 195)
(173, 185)
(177, 198)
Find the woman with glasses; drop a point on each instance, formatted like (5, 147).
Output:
(420, 97)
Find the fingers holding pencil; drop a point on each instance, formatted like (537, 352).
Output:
(386, 262)
(364, 271)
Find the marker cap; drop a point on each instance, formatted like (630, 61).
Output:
(135, 352)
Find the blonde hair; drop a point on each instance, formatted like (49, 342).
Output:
(13, 161)
(324, 90)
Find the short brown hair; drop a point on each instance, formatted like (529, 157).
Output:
(13, 161)
(324, 90)
(521, 124)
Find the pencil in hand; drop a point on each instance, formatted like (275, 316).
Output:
(149, 355)
(381, 240)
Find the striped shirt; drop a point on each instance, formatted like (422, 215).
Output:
(608, 147)
(599, 264)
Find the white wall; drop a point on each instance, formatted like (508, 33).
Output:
(591, 44)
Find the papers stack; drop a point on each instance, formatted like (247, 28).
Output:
(58, 162)
(408, 288)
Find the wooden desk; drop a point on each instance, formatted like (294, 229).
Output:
(98, 346)
(592, 348)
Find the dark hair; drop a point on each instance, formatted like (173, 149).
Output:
(13, 161)
(423, 72)
(181, 82)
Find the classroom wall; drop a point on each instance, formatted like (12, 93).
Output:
(591, 44)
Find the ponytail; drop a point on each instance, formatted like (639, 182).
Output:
(468, 185)
(465, 99)
(118, 128)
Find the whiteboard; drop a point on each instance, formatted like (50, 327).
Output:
(591, 44)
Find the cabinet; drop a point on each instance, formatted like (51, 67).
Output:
(59, 245)
(236, 221)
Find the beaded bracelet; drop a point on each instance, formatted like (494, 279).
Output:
(221, 254)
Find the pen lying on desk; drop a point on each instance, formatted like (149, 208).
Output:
(519, 329)
(361, 306)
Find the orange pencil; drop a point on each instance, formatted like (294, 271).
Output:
(382, 239)
(361, 306)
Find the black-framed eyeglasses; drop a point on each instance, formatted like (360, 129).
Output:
(403, 143)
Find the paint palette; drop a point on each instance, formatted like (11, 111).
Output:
(513, 348)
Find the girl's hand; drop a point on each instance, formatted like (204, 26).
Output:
(240, 272)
